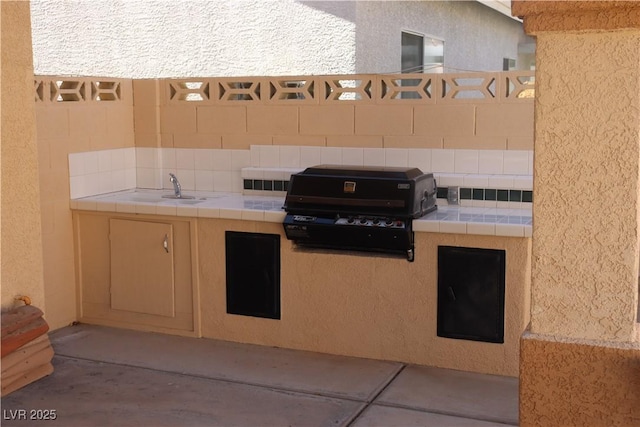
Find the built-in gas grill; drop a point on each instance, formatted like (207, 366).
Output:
(358, 208)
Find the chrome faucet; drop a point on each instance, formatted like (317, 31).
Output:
(176, 185)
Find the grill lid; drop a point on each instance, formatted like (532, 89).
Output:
(385, 191)
(378, 172)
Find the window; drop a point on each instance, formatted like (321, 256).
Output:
(433, 55)
(412, 53)
(421, 54)
(508, 64)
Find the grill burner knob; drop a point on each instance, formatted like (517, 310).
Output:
(351, 220)
(388, 222)
(376, 221)
(363, 220)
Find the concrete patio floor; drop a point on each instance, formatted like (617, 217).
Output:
(115, 377)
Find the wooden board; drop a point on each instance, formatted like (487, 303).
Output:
(20, 337)
(25, 352)
(29, 377)
(27, 364)
(19, 318)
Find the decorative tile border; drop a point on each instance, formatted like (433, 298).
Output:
(265, 185)
(493, 194)
(487, 194)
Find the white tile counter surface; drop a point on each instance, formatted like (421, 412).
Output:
(470, 220)
(206, 204)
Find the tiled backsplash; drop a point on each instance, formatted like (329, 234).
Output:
(492, 162)
(97, 172)
(270, 166)
(197, 169)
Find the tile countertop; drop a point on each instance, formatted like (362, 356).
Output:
(206, 204)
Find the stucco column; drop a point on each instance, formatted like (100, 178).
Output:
(586, 168)
(579, 360)
(22, 265)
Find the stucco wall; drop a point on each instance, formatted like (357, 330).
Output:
(138, 39)
(147, 38)
(349, 305)
(21, 234)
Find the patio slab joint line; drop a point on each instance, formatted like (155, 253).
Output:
(447, 413)
(372, 398)
(238, 382)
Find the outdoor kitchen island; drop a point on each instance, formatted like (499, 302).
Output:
(347, 303)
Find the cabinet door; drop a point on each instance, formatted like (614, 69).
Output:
(253, 274)
(471, 293)
(142, 267)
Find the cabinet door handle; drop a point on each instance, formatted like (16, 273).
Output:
(165, 243)
(452, 294)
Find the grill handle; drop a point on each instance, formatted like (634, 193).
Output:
(336, 201)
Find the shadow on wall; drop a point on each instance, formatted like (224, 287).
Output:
(341, 9)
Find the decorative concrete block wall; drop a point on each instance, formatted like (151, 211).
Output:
(449, 111)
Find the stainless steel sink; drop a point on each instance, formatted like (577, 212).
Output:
(173, 196)
(184, 201)
(159, 196)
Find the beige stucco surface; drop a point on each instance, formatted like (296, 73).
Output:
(587, 156)
(578, 383)
(374, 307)
(567, 16)
(22, 271)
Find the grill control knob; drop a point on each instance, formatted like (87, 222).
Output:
(351, 220)
(388, 222)
(363, 220)
(376, 221)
